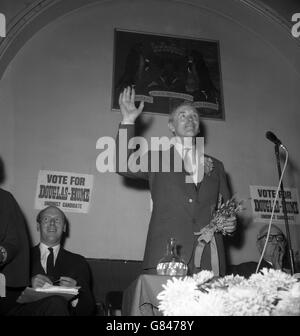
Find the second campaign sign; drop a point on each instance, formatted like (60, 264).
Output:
(262, 201)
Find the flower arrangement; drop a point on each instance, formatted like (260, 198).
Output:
(226, 210)
(229, 209)
(218, 223)
(269, 293)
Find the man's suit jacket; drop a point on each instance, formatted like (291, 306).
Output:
(14, 238)
(71, 265)
(179, 209)
(248, 268)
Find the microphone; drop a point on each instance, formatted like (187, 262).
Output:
(273, 138)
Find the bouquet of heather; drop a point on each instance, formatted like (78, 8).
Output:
(218, 223)
(227, 210)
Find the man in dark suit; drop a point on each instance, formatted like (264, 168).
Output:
(183, 201)
(273, 256)
(14, 250)
(51, 263)
(15, 264)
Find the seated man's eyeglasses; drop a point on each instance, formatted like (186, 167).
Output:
(279, 238)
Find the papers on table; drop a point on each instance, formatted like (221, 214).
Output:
(47, 288)
(31, 294)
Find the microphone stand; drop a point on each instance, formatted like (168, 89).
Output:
(286, 222)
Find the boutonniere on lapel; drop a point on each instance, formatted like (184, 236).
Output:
(208, 165)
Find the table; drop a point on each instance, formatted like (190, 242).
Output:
(140, 298)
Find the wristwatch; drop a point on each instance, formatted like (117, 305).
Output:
(3, 255)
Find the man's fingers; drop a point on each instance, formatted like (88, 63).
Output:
(141, 106)
(127, 96)
(121, 98)
(64, 278)
(40, 283)
(40, 280)
(43, 278)
(127, 93)
(66, 281)
(46, 279)
(230, 224)
(132, 95)
(227, 224)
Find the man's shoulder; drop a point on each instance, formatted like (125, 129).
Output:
(216, 161)
(248, 264)
(243, 269)
(74, 256)
(4, 194)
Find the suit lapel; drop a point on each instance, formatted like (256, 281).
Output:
(59, 261)
(207, 187)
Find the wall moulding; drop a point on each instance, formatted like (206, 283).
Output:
(39, 13)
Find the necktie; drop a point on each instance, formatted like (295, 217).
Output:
(188, 166)
(50, 262)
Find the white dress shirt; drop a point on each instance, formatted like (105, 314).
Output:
(181, 151)
(45, 252)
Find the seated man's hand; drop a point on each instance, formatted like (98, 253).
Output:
(39, 280)
(67, 282)
(277, 257)
(229, 225)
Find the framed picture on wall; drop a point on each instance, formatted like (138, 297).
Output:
(168, 70)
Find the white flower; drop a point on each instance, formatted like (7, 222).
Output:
(202, 277)
(228, 280)
(270, 280)
(271, 292)
(178, 296)
(247, 301)
(289, 302)
(211, 304)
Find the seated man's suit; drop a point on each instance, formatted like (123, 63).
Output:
(70, 265)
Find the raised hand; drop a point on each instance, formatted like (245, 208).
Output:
(127, 106)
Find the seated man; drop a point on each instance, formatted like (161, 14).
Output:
(273, 256)
(51, 263)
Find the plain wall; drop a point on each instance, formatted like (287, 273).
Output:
(55, 102)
